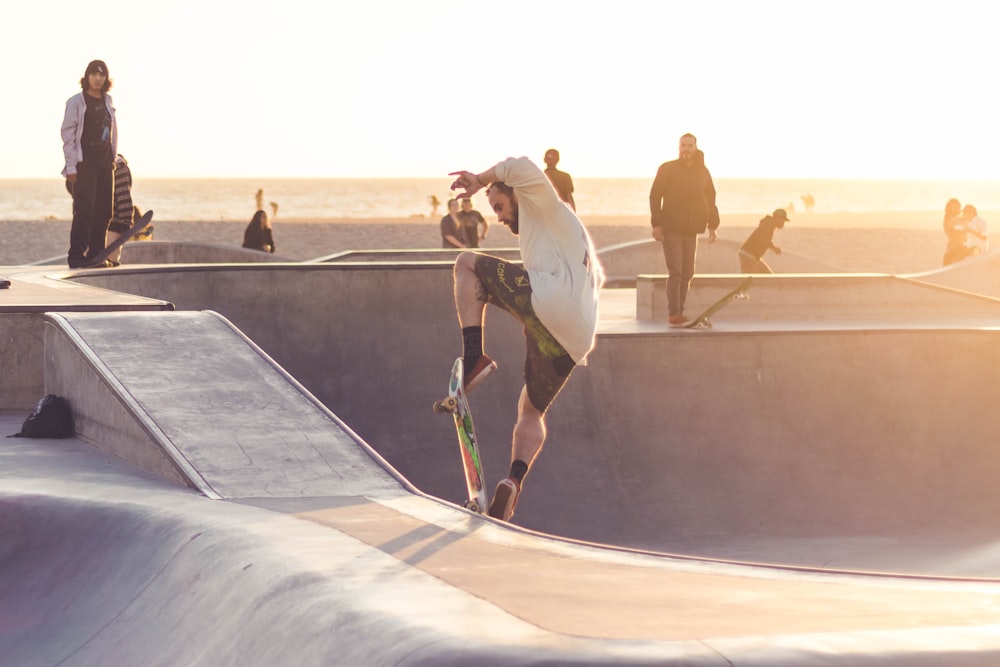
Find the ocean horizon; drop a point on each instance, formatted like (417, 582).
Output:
(303, 199)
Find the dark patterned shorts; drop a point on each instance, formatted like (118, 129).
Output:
(547, 365)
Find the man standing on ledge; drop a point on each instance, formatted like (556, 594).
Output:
(554, 296)
(682, 206)
(90, 144)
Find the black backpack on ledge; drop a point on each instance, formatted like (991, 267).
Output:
(51, 418)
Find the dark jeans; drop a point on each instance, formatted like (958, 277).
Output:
(679, 251)
(93, 196)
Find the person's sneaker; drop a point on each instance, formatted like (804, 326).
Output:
(677, 320)
(484, 366)
(505, 499)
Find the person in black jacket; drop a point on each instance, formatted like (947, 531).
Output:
(258, 235)
(682, 206)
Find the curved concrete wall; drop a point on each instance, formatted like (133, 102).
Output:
(181, 252)
(666, 441)
(622, 263)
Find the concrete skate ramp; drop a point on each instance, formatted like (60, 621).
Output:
(189, 252)
(623, 262)
(412, 255)
(136, 570)
(856, 299)
(822, 444)
(102, 564)
(187, 396)
(980, 275)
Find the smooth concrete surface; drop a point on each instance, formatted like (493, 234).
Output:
(623, 262)
(31, 294)
(104, 564)
(860, 298)
(183, 252)
(659, 413)
(396, 256)
(853, 461)
(241, 427)
(980, 275)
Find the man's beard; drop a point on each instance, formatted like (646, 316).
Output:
(514, 226)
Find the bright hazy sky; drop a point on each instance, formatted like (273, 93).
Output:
(418, 88)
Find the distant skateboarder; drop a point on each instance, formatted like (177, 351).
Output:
(554, 296)
(760, 241)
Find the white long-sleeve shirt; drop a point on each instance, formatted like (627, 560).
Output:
(558, 254)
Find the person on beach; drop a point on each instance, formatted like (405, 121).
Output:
(954, 232)
(977, 239)
(554, 295)
(90, 144)
(452, 230)
(258, 234)
(472, 220)
(560, 180)
(760, 241)
(682, 206)
(808, 201)
(124, 210)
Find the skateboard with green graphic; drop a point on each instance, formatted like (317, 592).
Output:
(738, 294)
(457, 404)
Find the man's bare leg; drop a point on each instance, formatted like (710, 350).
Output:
(529, 436)
(470, 302)
(529, 431)
(470, 295)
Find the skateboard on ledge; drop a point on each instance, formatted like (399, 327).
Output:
(738, 294)
(137, 226)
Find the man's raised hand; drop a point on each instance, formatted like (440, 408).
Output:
(466, 180)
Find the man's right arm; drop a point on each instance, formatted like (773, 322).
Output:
(70, 152)
(656, 202)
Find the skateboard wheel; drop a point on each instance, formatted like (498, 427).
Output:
(438, 407)
(472, 506)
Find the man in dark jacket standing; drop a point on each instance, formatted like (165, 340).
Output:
(682, 206)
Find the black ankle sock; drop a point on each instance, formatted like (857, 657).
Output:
(472, 346)
(518, 469)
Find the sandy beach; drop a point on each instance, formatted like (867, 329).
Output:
(876, 242)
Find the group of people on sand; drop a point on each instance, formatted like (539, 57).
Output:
(462, 226)
(966, 234)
